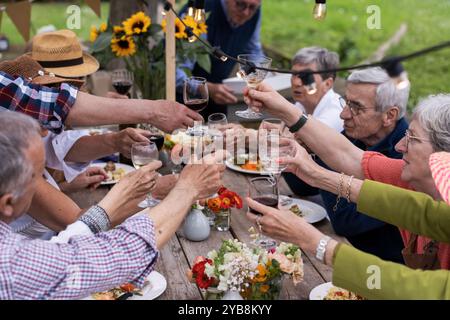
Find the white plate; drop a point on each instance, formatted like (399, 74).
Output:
(234, 167)
(312, 212)
(102, 165)
(320, 292)
(157, 285)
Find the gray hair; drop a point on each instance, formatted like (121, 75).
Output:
(323, 59)
(15, 171)
(16, 132)
(387, 94)
(433, 114)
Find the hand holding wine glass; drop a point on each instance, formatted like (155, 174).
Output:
(253, 77)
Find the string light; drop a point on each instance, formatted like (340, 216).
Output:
(191, 9)
(167, 8)
(247, 68)
(308, 81)
(199, 13)
(399, 75)
(395, 70)
(191, 35)
(320, 10)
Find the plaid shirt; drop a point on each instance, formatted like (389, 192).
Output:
(50, 106)
(35, 269)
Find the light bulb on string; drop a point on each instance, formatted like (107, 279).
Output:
(395, 70)
(167, 8)
(219, 54)
(307, 78)
(199, 12)
(320, 10)
(191, 35)
(191, 9)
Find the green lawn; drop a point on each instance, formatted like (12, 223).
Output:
(43, 14)
(288, 25)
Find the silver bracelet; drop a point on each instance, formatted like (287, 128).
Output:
(322, 248)
(96, 219)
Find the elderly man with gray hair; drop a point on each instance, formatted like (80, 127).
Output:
(94, 259)
(373, 114)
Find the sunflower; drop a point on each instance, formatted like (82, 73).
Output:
(119, 32)
(196, 28)
(203, 28)
(94, 34)
(180, 29)
(103, 27)
(123, 47)
(137, 24)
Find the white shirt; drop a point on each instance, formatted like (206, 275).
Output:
(56, 149)
(328, 111)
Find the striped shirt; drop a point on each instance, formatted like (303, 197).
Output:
(50, 106)
(35, 269)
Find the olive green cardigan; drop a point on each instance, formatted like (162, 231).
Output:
(358, 271)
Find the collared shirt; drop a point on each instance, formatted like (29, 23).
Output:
(56, 149)
(254, 46)
(50, 106)
(86, 264)
(328, 110)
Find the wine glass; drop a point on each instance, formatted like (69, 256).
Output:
(196, 98)
(216, 121)
(253, 78)
(122, 81)
(271, 148)
(142, 154)
(157, 136)
(273, 126)
(265, 191)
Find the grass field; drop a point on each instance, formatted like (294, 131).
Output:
(288, 25)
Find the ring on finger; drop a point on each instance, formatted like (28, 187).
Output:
(258, 223)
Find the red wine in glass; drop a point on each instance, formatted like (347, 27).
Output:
(158, 140)
(197, 105)
(122, 87)
(269, 200)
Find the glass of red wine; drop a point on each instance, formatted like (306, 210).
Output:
(122, 81)
(156, 136)
(196, 98)
(265, 191)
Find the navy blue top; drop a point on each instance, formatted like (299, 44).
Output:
(363, 232)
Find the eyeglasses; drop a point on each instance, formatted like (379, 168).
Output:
(355, 107)
(409, 137)
(242, 5)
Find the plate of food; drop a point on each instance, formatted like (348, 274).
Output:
(154, 286)
(327, 291)
(115, 171)
(244, 165)
(308, 210)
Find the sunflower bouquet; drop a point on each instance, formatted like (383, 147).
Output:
(141, 44)
(254, 273)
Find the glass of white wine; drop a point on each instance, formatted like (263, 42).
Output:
(142, 154)
(253, 79)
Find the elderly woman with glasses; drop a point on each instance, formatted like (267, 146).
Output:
(429, 132)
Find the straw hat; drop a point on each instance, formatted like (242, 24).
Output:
(27, 68)
(440, 170)
(60, 52)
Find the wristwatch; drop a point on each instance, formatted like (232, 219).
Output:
(321, 248)
(299, 124)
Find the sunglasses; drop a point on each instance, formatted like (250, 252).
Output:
(242, 5)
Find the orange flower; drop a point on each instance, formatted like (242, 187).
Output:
(264, 288)
(262, 274)
(226, 202)
(214, 204)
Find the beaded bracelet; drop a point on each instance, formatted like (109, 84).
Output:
(349, 188)
(341, 184)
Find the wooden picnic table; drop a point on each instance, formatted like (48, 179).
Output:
(178, 254)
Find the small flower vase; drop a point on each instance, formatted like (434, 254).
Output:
(210, 215)
(196, 226)
(213, 293)
(232, 295)
(222, 220)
